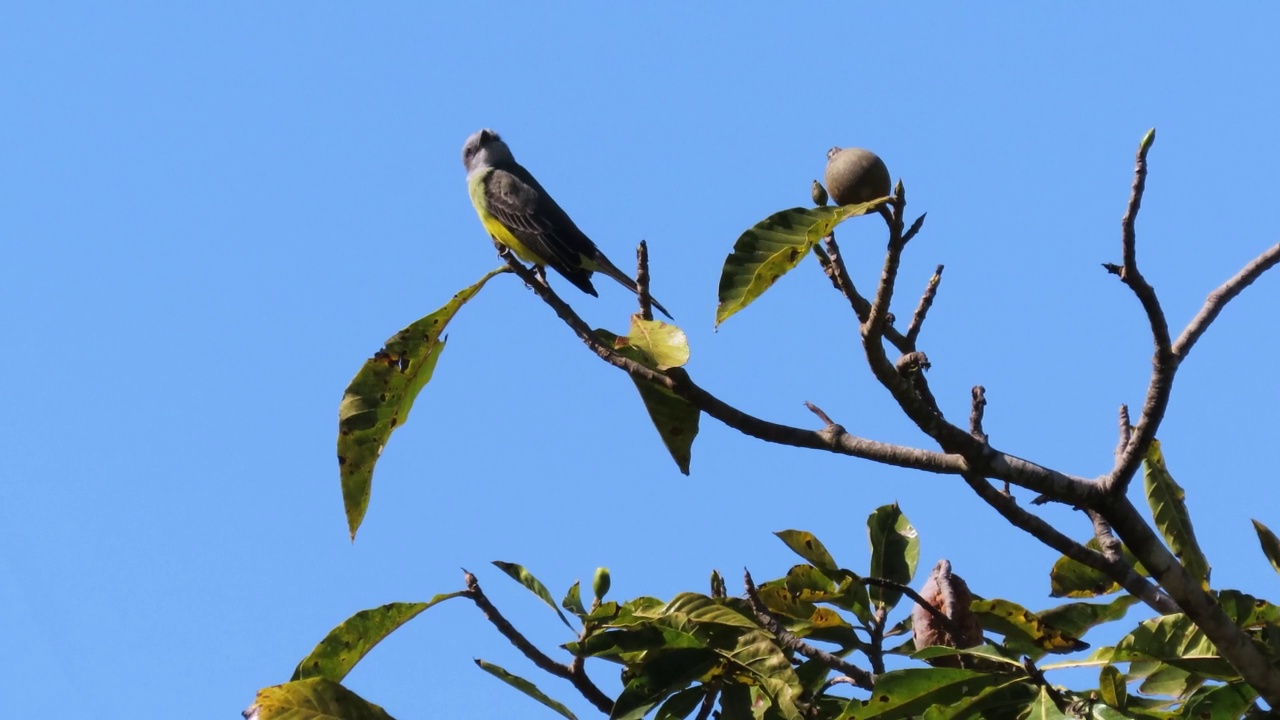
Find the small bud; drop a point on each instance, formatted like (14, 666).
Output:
(855, 176)
(819, 194)
(600, 583)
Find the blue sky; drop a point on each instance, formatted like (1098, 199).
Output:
(212, 215)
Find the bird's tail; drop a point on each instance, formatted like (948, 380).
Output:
(604, 266)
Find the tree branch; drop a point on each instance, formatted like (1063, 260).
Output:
(1232, 643)
(642, 281)
(1120, 572)
(926, 302)
(573, 673)
(861, 678)
(1164, 363)
(1219, 298)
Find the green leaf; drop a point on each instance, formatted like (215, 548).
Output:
(995, 702)
(903, 693)
(380, 396)
(313, 699)
(663, 345)
(678, 706)
(1270, 544)
(349, 642)
(1161, 679)
(1078, 617)
(1112, 689)
(1172, 640)
(895, 551)
(1246, 610)
(808, 547)
(1023, 630)
(573, 601)
(656, 679)
(1069, 578)
(524, 686)
(535, 586)
(774, 246)
(1044, 708)
(675, 418)
(1222, 702)
(1169, 509)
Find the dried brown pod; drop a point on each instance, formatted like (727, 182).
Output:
(948, 594)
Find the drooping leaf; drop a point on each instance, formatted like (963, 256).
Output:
(895, 552)
(534, 585)
(525, 687)
(774, 246)
(381, 394)
(1112, 689)
(1270, 544)
(349, 642)
(312, 699)
(1023, 630)
(808, 547)
(675, 418)
(1169, 509)
(1069, 578)
(903, 693)
(1077, 617)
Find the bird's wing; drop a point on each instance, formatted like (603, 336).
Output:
(517, 201)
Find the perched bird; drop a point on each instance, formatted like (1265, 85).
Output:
(518, 213)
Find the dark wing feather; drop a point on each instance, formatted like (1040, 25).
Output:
(517, 201)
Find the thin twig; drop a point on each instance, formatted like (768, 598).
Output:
(576, 676)
(977, 409)
(1164, 363)
(1219, 298)
(818, 411)
(926, 302)
(1126, 431)
(1037, 677)
(642, 281)
(836, 270)
(947, 623)
(861, 678)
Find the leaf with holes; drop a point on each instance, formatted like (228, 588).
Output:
(1023, 630)
(774, 246)
(895, 552)
(380, 396)
(1169, 509)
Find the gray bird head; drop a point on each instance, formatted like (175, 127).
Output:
(485, 149)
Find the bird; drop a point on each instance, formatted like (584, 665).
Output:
(520, 214)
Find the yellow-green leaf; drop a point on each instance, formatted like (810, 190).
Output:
(534, 585)
(312, 699)
(1069, 578)
(524, 686)
(663, 344)
(1169, 509)
(675, 418)
(350, 641)
(380, 396)
(804, 544)
(1112, 689)
(1270, 544)
(1023, 630)
(774, 246)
